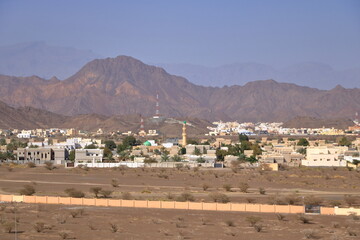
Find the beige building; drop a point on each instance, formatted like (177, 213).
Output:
(325, 157)
(88, 155)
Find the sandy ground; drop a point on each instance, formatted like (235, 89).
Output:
(95, 223)
(157, 184)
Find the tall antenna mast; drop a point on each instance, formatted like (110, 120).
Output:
(157, 112)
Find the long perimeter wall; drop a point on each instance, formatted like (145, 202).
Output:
(234, 207)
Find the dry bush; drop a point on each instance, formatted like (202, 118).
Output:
(96, 191)
(106, 193)
(280, 217)
(219, 197)
(230, 223)
(114, 227)
(2, 207)
(74, 213)
(258, 227)
(262, 191)
(8, 226)
(351, 233)
(227, 187)
(354, 216)
(72, 192)
(252, 220)
(49, 165)
(304, 219)
(91, 226)
(64, 234)
(350, 200)
(205, 186)
(275, 200)
(310, 234)
(27, 190)
(170, 196)
(244, 187)
(31, 165)
(185, 197)
(335, 225)
(61, 218)
(10, 169)
(114, 182)
(312, 200)
(250, 200)
(126, 196)
(292, 199)
(205, 221)
(39, 227)
(334, 203)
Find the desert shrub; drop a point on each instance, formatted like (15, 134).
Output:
(274, 199)
(74, 213)
(2, 207)
(186, 197)
(250, 200)
(292, 199)
(252, 220)
(227, 187)
(262, 191)
(350, 200)
(312, 200)
(10, 169)
(126, 196)
(64, 234)
(31, 165)
(244, 187)
(205, 187)
(310, 234)
(39, 227)
(114, 227)
(354, 216)
(334, 203)
(27, 190)
(258, 227)
(219, 197)
(49, 165)
(230, 223)
(280, 217)
(335, 224)
(96, 191)
(170, 196)
(91, 226)
(114, 182)
(72, 192)
(8, 226)
(106, 193)
(61, 218)
(351, 233)
(205, 221)
(304, 219)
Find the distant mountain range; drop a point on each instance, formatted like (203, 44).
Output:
(317, 75)
(125, 86)
(40, 59)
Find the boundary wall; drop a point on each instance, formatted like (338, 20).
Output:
(232, 207)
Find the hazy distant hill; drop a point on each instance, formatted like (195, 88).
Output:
(32, 118)
(38, 58)
(124, 85)
(310, 74)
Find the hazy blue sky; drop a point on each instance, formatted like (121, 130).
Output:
(204, 32)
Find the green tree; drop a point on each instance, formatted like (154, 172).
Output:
(2, 142)
(302, 151)
(165, 157)
(182, 151)
(176, 158)
(197, 151)
(120, 148)
(129, 141)
(256, 149)
(251, 159)
(200, 160)
(107, 153)
(72, 155)
(91, 146)
(234, 150)
(344, 142)
(192, 141)
(220, 154)
(110, 144)
(243, 138)
(303, 142)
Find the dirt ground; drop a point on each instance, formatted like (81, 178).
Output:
(328, 184)
(93, 223)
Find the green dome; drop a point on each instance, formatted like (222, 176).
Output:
(147, 143)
